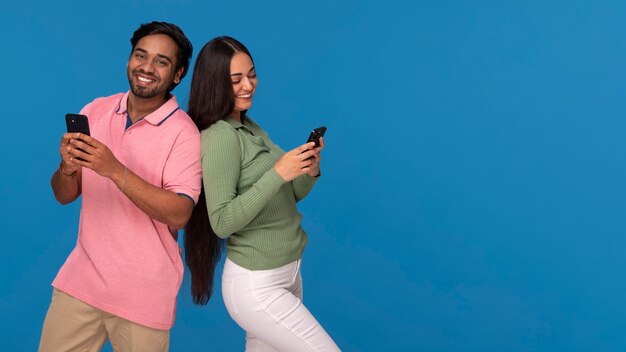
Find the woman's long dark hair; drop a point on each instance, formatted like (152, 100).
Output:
(210, 100)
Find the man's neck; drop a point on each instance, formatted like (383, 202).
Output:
(140, 107)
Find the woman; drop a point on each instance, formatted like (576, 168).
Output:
(251, 188)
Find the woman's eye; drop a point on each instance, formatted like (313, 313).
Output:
(236, 82)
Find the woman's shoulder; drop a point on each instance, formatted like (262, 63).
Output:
(221, 132)
(219, 127)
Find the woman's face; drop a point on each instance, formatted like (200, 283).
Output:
(243, 77)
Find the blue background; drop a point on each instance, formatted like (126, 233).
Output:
(473, 194)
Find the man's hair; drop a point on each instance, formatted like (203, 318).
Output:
(185, 49)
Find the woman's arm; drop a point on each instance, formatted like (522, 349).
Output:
(302, 186)
(221, 165)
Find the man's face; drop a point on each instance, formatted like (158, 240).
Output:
(151, 68)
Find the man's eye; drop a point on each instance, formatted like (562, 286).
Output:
(162, 62)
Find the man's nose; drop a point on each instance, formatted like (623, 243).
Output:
(147, 66)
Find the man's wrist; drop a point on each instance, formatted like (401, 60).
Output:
(65, 173)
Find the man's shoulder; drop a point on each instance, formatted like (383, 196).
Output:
(114, 99)
(180, 120)
(103, 105)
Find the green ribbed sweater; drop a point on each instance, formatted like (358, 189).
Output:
(248, 202)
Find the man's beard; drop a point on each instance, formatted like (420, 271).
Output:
(145, 92)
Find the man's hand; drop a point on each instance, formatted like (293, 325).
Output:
(67, 167)
(96, 156)
(66, 180)
(159, 204)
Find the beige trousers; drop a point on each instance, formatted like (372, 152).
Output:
(72, 325)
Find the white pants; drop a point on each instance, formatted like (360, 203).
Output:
(267, 304)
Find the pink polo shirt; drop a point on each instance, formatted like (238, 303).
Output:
(124, 262)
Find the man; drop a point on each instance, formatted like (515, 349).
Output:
(139, 175)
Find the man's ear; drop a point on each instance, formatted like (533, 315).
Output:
(178, 74)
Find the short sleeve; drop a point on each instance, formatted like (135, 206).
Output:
(182, 173)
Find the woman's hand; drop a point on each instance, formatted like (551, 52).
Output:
(296, 162)
(317, 158)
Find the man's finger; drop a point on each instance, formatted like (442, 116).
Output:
(87, 139)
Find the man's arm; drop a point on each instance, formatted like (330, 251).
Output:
(160, 204)
(66, 180)
(66, 187)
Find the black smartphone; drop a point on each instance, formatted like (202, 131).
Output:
(77, 123)
(316, 134)
(315, 137)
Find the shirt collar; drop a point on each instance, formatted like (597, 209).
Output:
(158, 116)
(237, 125)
